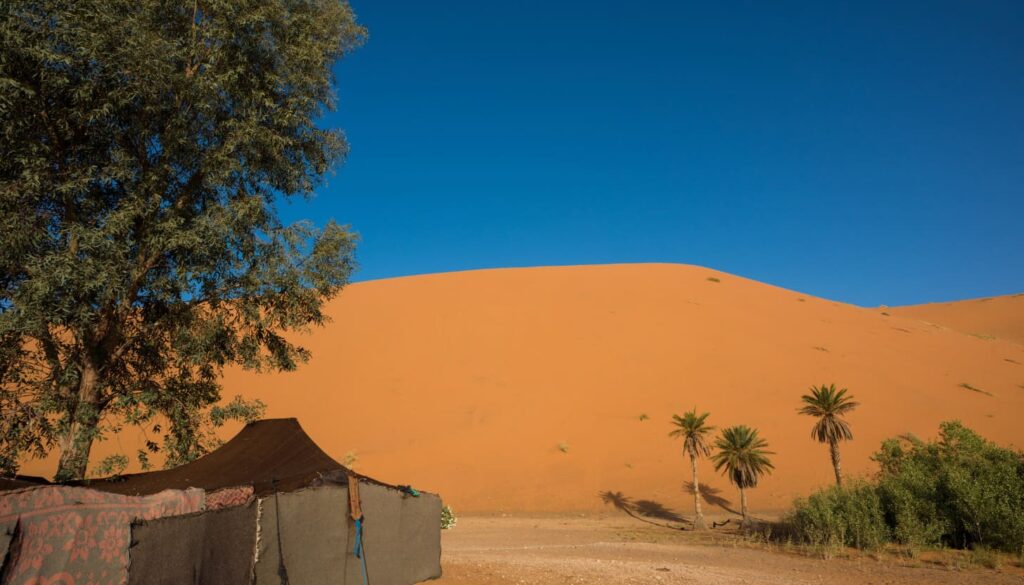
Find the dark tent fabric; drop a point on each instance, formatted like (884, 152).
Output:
(402, 542)
(73, 536)
(401, 537)
(211, 548)
(20, 481)
(321, 560)
(270, 455)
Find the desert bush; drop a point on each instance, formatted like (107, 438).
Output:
(960, 491)
(841, 516)
(448, 518)
(985, 557)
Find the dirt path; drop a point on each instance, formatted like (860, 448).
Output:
(612, 550)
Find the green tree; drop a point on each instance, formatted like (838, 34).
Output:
(829, 406)
(145, 147)
(694, 431)
(742, 457)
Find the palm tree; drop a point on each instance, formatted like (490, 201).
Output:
(743, 459)
(829, 406)
(694, 431)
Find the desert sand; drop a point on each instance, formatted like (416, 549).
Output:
(536, 390)
(990, 317)
(613, 550)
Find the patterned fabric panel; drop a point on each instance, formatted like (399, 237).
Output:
(79, 536)
(229, 497)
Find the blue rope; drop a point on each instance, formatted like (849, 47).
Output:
(358, 549)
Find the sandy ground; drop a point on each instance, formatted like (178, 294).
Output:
(539, 390)
(616, 550)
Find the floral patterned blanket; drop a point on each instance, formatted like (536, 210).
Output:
(78, 536)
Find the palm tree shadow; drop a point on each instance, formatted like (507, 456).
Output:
(712, 496)
(644, 510)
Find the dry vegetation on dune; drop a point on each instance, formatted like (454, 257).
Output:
(534, 390)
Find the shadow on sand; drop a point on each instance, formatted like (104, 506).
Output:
(647, 511)
(712, 496)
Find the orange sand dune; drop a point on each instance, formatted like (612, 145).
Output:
(1001, 317)
(523, 389)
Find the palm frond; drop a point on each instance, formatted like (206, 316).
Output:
(694, 430)
(828, 405)
(742, 456)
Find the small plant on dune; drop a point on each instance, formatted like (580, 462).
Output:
(967, 386)
(643, 416)
(829, 405)
(714, 279)
(350, 459)
(694, 431)
(448, 518)
(563, 447)
(743, 457)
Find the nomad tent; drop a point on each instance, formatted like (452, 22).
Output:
(268, 507)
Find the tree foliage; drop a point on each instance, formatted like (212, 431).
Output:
(693, 429)
(742, 456)
(145, 146)
(829, 405)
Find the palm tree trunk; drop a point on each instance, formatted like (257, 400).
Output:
(698, 521)
(833, 447)
(743, 509)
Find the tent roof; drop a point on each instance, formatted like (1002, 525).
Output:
(270, 455)
(20, 481)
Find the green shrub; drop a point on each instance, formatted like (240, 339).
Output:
(448, 518)
(959, 491)
(841, 516)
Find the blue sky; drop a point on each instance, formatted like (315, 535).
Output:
(866, 152)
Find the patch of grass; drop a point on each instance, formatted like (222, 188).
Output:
(820, 348)
(984, 557)
(349, 459)
(801, 300)
(563, 447)
(886, 314)
(714, 279)
(643, 416)
(967, 386)
(1011, 361)
(984, 336)
(629, 466)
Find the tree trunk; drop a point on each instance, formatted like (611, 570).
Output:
(833, 448)
(698, 520)
(745, 523)
(77, 442)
